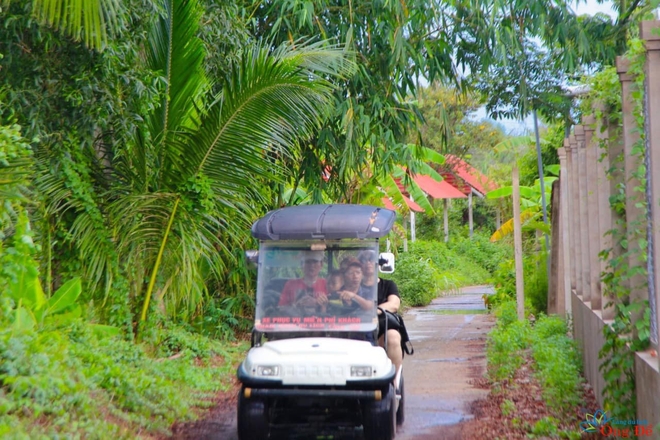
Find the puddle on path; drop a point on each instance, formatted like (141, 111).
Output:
(446, 360)
(458, 311)
(425, 413)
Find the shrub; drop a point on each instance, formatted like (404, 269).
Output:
(558, 364)
(416, 278)
(504, 279)
(506, 343)
(481, 251)
(555, 357)
(536, 282)
(506, 314)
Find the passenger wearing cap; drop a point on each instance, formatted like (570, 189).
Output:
(388, 299)
(310, 291)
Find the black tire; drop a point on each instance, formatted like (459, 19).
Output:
(252, 418)
(401, 411)
(378, 417)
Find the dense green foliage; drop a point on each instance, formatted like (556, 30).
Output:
(449, 125)
(68, 381)
(147, 190)
(139, 139)
(394, 43)
(432, 267)
(551, 350)
(536, 283)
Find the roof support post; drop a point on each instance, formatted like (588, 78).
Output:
(470, 213)
(445, 213)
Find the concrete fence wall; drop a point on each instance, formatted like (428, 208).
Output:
(599, 160)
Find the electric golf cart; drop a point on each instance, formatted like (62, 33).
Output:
(315, 367)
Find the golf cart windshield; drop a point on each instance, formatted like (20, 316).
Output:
(328, 286)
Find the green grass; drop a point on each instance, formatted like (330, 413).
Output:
(68, 383)
(555, 359)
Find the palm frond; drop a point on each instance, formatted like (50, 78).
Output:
(89, 230)
(91, 21)
(268, 103)
(320, 59)
(175, 50)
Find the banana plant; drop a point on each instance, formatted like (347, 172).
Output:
(530, 200)
(388, 185)
(34, 310)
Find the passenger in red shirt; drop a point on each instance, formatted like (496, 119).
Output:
(310, 291)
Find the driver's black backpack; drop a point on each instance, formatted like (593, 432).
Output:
(395, 321)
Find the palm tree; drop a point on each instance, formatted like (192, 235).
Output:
(184, 184)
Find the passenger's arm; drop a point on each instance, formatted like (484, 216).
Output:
(350, 296)
(392, 304)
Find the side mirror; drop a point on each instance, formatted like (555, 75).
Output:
(252, 257)
(386, 262)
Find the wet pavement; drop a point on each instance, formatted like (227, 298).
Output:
(449, 337)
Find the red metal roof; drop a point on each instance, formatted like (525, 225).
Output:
(456, 182)
(438, 190)
(473, 177)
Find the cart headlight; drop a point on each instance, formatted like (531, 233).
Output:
(361, 371)
(268, 370)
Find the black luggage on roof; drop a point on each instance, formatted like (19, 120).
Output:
(329, 222)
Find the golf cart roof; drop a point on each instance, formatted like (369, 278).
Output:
(315, 222)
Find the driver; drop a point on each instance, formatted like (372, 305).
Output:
(310, 291)
(388, 299)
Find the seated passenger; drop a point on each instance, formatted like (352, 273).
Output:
(310, 291)
(346, 261)
(351, 292)
(388, 299)
(334, 281)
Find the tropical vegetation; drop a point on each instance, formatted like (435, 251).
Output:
(547, 355)
(140, 139)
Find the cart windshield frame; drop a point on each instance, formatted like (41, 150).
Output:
(293, 276)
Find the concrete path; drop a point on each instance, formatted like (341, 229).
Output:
(449, 338)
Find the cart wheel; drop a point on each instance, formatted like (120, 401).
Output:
(379, 418)
(401, 411)
(252, 418)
